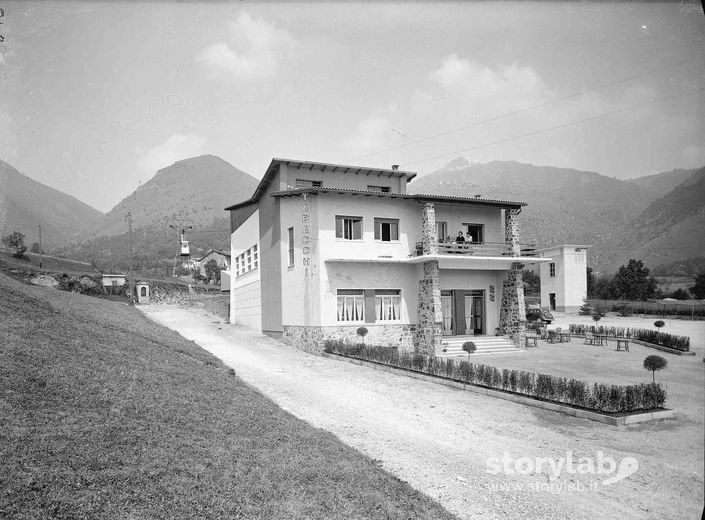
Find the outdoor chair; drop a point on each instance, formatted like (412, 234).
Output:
(623, 343)
(589, 338)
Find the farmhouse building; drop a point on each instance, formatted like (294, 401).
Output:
(320, 250)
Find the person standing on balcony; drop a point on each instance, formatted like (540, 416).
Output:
(460, 239)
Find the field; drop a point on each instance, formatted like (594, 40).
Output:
(31, 262)
(108, 415)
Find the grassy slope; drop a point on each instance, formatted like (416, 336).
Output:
(106, 414)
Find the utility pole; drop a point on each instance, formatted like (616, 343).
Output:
(132, 280)
(41, 253)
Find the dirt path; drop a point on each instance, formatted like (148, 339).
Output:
(439, 439)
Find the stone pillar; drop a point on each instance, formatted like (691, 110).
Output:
(512, 313)
(428, 314)
(511, 231)
(429, 234)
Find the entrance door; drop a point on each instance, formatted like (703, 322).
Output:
(478, 314)
(552, 301)
(468, 321)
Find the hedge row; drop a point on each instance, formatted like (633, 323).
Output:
(655, 337)
(599, 397)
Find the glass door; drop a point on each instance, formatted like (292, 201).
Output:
(447, 310)
(478, 312)
(469, 322)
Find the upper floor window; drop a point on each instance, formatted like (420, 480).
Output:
(246, 261)
(349, 228)
(474, 232)
(304, 183)
(386, 229)
(442, 231)
(291, 246)
(379, 189)
(552, 269)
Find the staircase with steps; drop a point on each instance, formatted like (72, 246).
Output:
(485, 345)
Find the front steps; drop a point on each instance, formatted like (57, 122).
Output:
(485, 345)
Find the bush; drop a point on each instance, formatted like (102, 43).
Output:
(655, 337)
(600, 397)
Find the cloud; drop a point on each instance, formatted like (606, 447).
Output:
(177, 147)
(252, 52)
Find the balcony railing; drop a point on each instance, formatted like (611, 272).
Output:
(479, 249)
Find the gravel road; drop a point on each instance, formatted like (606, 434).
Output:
(439, 439)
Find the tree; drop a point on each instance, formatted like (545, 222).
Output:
(654, 363)
(632, 282)
(212, 270)
(698, 290)
(590, 282)
(659, 323)
(15, 240)
(469, 347)
(532, 282)
(362, 332)
(585, 309)
(35, 248)
(680, 294)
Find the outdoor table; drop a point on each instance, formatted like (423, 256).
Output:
(623, 343)
(553, 336)
(564, 336)
(601, 339)
(531, 341)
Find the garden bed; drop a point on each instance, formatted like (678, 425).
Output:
(671, 343)
(615, 419)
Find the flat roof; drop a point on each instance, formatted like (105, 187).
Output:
(417, 196)
(311, 165)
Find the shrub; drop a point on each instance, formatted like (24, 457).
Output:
(469, 347)
(659, 323)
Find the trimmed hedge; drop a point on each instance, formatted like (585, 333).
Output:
(655, 337)
(598, 397)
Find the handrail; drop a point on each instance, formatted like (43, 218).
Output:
(482, 249)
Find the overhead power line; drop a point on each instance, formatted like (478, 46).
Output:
(548, 129)
(521, 111)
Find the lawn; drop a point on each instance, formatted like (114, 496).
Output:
(107, 415)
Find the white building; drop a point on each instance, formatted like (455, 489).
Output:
(564, 278)
(320, 250)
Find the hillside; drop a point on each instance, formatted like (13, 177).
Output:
(191, 192)
(671, 228)
(26, 204)
(573, 206)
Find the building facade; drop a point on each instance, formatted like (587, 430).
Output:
(320, 250)
(563, 277)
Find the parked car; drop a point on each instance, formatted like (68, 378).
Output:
(534, 314)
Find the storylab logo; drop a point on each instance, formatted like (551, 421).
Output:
(600, 465)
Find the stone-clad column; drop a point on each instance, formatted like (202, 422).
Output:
(511, 231)
(429, 314)
(429, 234)
(512, 313)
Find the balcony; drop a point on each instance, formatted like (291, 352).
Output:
(485, 249)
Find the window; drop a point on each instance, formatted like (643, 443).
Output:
(474, 232)
(303, 183)
(351, 305)
(291, 246)
(379, 189)
(388, 305)
(246, 261)
(349, 228)
(552, 269)
(386, 229)
(442, 231)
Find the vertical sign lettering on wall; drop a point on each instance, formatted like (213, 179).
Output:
(491, 293)
(306, 235)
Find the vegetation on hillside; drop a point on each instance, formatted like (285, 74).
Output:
(108, 415)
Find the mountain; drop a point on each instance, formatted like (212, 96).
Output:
(664, 182)
(670, 229)
(26, 204)
(564, 205)
(192, 192)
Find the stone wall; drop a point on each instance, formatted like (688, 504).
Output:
(429, 233)
(429, 313)
(512, 313)
(511, 230)
(311, 338)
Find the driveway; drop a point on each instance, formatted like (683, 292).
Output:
(439, 439)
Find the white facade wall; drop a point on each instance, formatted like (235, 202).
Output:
(570, 281)
(339, 179)
(455, 216)
(245, 290)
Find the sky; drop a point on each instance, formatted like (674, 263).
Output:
(96, 96)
